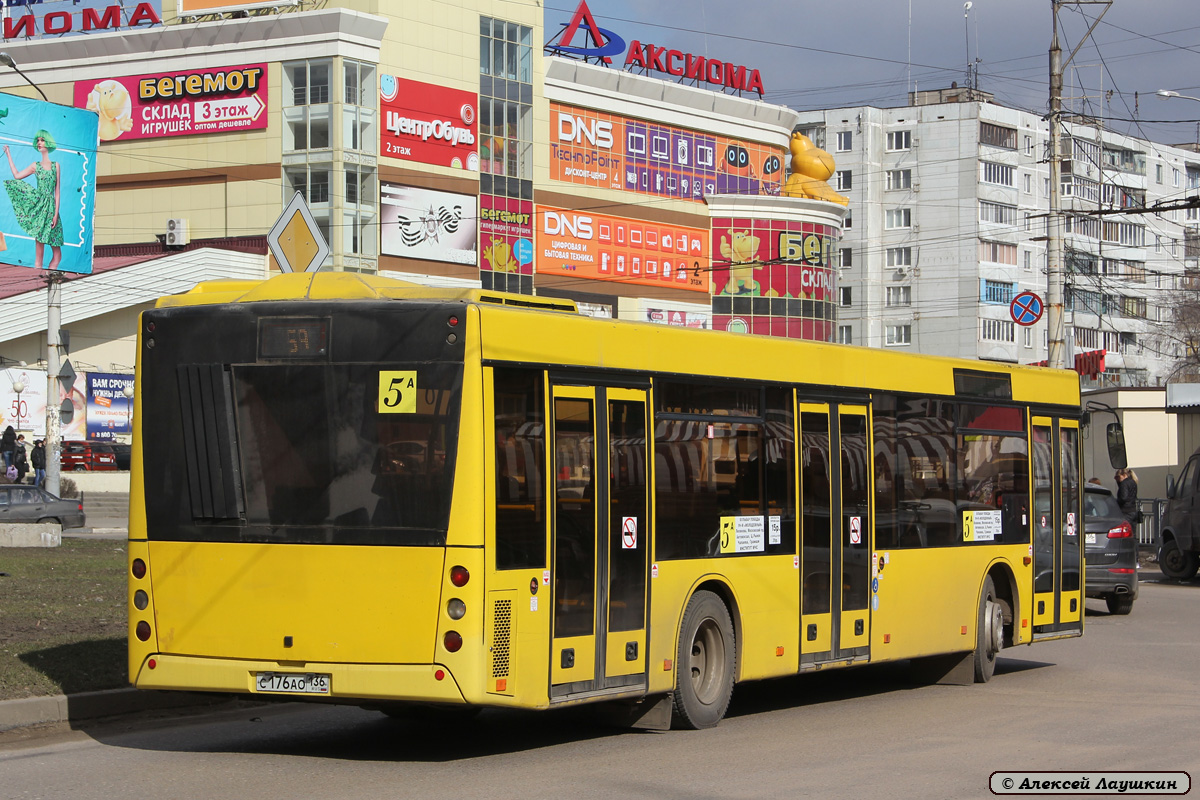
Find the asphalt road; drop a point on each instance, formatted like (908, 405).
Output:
(1125, 697)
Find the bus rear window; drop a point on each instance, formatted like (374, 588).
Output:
(319, 457)
(316, 451)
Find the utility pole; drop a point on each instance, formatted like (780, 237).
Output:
(53, 388)
(1055, 318)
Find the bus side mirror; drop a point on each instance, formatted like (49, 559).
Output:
(1170, 486)
(1116, 446)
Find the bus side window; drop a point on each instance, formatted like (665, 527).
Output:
(520, 469)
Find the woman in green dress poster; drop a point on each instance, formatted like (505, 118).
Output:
(36, 206)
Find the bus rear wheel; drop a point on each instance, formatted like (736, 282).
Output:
(989, 632)
(704, 669)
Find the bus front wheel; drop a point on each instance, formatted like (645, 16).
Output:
(989, 632)
(705, 667)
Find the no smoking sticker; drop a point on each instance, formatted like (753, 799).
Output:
(628, 533)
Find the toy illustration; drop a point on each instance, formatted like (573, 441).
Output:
(499, 255)
(742, 254)
(811, 168)
(110, 100)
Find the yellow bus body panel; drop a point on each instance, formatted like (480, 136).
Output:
(337, 603)
(417, 682)
(928, 600)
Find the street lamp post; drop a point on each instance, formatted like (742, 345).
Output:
(18, 387)
(1167, 93)
(128, 392)
(53, 343)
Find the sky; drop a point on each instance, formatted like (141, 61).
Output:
(856, 52)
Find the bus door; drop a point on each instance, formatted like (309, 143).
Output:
(835, 555)
(1057, 558)
(601, 539)
(854, 494)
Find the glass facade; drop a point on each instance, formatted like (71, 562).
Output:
(330, 146)
(506, 155)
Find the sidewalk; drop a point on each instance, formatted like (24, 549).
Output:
(89, 706)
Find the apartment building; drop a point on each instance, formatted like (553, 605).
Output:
(948, 223)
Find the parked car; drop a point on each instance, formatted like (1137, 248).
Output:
(21, 503)
(85, 456)
(1179, 552)
(124, 454)
(1110, 551)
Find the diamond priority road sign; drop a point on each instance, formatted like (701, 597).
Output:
(296, 241)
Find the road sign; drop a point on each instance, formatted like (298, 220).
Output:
(296, 241)
(1026, 308)
(66, 375)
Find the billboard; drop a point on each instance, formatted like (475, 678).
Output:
(427, 224)
(50, 194)
(36, 19)
(428, 124)
(774, 277)
(600, 247)
(177, 103)
(25, 411)
(506, 234)
(109, 411)
(606, 151)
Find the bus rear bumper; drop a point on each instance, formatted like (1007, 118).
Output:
(347, 682)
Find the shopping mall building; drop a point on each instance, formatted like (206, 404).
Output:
(441, 143)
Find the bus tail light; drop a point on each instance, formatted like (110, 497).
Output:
(456, 609)
(1122, 531)
(138, 568)
(143, 630)
(452, 641)
(459, 576)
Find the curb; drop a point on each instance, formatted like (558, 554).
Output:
(86, 706)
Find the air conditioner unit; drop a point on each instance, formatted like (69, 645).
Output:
(177, 232)
(916, 186)
(916, 228)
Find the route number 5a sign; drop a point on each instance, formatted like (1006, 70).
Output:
(398, 392)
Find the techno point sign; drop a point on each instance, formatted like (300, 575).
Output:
(650, 56)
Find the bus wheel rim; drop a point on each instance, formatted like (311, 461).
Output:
(708, 657)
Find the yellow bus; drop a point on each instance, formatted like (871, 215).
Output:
(357, 490)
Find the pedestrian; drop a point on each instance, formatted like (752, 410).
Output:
(1127, 495)
(20, 459)
(8, 443)
(1095, 482)
(38, 459)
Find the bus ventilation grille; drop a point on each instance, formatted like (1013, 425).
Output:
(501, 631)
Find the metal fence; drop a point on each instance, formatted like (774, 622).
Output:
(1148, 529)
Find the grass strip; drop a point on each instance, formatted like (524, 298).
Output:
(62, 618)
